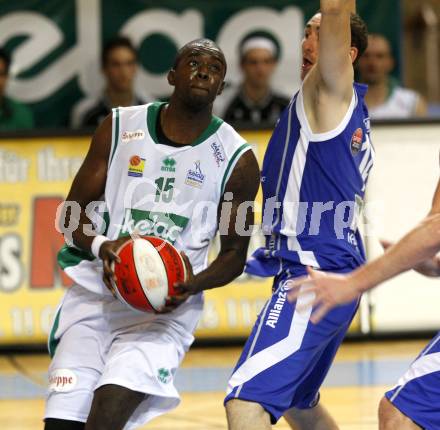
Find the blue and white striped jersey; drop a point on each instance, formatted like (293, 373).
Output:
(313, 189)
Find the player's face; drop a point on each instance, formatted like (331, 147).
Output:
(258, 66)
(3, 77)
(120, 69)
(377, 62)
(199, 77)
(310, 44)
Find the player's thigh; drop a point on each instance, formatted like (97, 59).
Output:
(307, 394)
(144, 359)
(55, 424)
(77, 363)
(283, 350)
(112, 406)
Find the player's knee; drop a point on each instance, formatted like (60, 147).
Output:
(239, 412)
(389, 415)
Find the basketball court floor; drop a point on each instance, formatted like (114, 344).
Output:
(360, 375)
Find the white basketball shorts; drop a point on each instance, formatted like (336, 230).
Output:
(97, 340)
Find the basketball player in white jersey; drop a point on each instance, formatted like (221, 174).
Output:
(413, 404)
(164, 170)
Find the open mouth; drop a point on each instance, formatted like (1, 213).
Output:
(306, 63)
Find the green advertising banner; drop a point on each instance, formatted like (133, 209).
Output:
(56, 44)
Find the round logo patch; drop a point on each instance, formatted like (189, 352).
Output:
(356, 141)
(135, 160)
(62, 380)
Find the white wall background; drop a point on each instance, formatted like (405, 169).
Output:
(402, 185)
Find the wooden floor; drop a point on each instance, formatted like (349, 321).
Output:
(354, 407)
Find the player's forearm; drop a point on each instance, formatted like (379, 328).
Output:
(77, 228)
(223, 270)
(338, 6)
(420, 244)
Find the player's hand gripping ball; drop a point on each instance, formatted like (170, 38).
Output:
(147, 270)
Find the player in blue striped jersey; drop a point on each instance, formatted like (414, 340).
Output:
(413, 403)
(314, 176)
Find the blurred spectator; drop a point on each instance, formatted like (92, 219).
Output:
(119, 65)
(385, 98)
(13, 115)
(254, 103)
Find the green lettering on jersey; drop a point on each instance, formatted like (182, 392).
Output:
(167, 226)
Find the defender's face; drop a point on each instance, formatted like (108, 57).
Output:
(199, 77)
(377, 61)
(120, 69)
(310, 45)
(258, 66)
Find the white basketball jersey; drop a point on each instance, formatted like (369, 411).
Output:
(160, 190)
(402, 103)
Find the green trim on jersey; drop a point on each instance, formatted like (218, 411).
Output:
(53, 342)
(153, 112)
(231, 163)
(116, 136)
(69, 256)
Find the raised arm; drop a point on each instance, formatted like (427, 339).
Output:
(334, 67)
(329, 56)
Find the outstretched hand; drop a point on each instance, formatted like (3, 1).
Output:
(326, 290)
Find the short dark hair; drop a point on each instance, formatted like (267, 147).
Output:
(199, 44)
(359, 35)
(6, 59)
(117, 42)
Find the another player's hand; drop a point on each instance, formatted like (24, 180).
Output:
(430, 268)
(326, 291)
(108, 255)
(184, 289)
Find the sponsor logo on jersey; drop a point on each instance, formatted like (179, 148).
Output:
(356, 141)
(164, 375)
(136, 166)
(127, 136)
(168, 165)
(217, 151)
(367, 124)
(195, 177)
(62, 380)
(167, 226)
(277, 307)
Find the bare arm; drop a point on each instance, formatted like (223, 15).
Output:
(335, 69)
(415, 249)
(89, 182)
(328, 89)
(419, 245)
(243, 185)
(89, 186)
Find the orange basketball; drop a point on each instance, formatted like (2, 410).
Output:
(148, 270)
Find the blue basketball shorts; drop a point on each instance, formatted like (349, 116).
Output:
(417, 393)
(287, 357)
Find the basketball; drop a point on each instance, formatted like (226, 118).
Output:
(148, 269)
